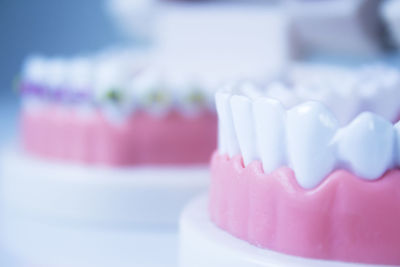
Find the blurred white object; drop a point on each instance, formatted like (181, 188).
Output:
(204, 244)
(390, 12)
(58, 245)
(348, 27)
(133, 17)
(98, 195)
(222, 40)
(63, 215)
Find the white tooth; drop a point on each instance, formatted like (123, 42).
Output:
(244, 128)
(34, 69)
(56, 73)
(386, 101)
(106, 77)
(279, 92)
(250, 90)
(269, 121)
(226, 132)
(80, 74)
(310, 129)
(366, 145)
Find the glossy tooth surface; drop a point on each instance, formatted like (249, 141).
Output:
(242, 115)
(366, 145)
(269, 122)
(227, 137)
(310, 129)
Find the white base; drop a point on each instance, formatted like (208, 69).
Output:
(204, 244)
(44, 245)
(100, 195)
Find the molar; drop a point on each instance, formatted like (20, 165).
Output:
(366, 145)
(269, 122)
(310, 129)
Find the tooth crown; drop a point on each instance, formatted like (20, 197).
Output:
(111, 82)
(373, 88)
(307, 137)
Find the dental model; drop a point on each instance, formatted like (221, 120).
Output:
(296, 177)
(109, 111)
(105, 140)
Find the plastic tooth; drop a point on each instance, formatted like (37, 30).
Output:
(107, 77)
(269, 122)
(243, 122)
(366, 145)
(279, 92)
(227, 137)
(80, 74)
(250, 90)
(310, 129)
(35, 69)
(56, 73)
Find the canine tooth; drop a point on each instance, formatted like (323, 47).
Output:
(366, 145)
(310, 128)
(243, 122)
(269, 122)
(227, 137)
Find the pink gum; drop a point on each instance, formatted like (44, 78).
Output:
(142, 139)
(345, 218)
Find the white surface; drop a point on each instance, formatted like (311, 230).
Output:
(97, 195)
(58, 245)
(203, 244)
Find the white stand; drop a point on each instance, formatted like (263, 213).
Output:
(42, 244)
(204, 244)
(97, 195)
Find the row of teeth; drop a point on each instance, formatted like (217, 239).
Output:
(372, 88)
(306, 137)
(118, 82)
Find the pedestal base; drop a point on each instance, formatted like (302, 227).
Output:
(41, 244)
(97, 195)
(204, 244)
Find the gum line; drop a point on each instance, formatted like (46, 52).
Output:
(345, 218)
